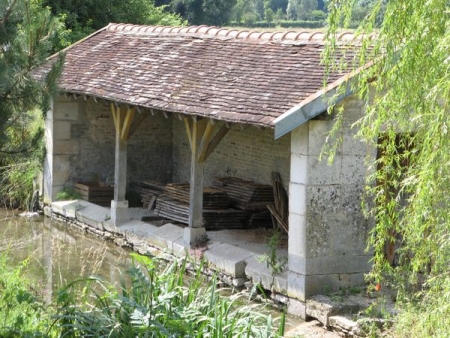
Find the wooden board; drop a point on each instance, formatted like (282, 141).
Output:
(95, 192)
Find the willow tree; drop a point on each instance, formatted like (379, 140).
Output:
(25, 33)
(405, 49)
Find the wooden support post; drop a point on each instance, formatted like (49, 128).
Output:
(200, 133)
(196, 182)
(122, 120)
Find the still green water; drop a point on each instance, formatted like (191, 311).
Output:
(56, 253)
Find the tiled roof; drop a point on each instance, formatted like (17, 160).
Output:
(235, 76)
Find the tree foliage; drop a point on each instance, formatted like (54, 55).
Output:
(83, 17)
(26, 31)
(407, 90)
(205, 12)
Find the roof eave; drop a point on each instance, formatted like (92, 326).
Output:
(316, 103)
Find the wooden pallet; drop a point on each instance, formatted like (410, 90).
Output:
(95, 192)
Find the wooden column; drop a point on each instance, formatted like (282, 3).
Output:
(122, 117)
(200, 134)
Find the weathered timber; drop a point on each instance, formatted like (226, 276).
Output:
(211, 219)
(95, 192)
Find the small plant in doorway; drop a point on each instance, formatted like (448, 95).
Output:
(275, 263)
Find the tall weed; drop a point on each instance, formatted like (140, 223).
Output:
(153, 301)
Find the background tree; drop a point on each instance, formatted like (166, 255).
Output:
(241, 8)
(407, 92)
(305, 7)
(205, 12)
(26, 30)
(275, 5)
(83, 17)
(292, 9)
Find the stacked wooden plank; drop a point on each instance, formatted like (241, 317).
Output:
(149, 191)
(212, 198)
(250, 197)
(174, 205)
(172, 209)
(245, 195)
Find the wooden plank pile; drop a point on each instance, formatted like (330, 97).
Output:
(174, 205)
(212, 198)
(230, 203)
(251, 197)
(149, 191)
(245, 195)
(280, 208)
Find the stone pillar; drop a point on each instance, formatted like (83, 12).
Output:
(327, 228)
(298, 219)
(60, 145)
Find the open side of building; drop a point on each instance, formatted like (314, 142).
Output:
(188, 104)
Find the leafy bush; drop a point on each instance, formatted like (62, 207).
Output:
(21, 160)
(22, 312)
(158, 302)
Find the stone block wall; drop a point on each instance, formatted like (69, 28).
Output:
(328, 232)
(81, 143)
(250, 154)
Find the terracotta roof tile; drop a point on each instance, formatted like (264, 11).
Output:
(231, 75)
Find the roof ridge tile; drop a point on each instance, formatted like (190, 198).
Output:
(220, 32)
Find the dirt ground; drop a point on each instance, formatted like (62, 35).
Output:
(310, 329)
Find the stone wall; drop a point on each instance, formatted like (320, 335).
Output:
(328, 231)
(250, 154)
(81, 143)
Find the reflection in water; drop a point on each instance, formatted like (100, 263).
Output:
(57, 254)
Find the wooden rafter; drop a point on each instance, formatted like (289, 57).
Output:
(203, 136)
(188, 124)
(212, 144)
(124, 135)
(123, 120)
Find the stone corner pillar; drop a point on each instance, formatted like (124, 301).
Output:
(119, 212)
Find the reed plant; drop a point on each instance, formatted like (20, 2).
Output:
(155, 299)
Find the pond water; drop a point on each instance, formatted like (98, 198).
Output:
(56, 253)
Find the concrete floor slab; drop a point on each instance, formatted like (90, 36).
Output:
(259, 272)
(69, 208)
(253, 240)
(178, 248)
(165, 235)
(228, 258)
(138, 228)
(93, 215)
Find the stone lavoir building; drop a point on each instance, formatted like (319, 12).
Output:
(188, 104)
